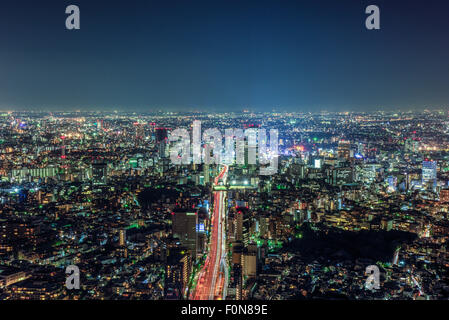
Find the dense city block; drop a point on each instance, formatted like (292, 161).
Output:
(99, 190)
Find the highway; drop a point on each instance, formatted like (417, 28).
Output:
(213, 277)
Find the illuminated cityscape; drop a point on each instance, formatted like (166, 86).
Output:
(98, 190)
(223, 159)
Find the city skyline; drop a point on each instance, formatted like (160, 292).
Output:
(251, 151)
(93, 207)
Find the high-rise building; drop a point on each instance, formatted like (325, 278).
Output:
(173, 281)
(249, 264)
(206, 173)
(99, 172)
(429, 172)
(237, 274)
(185, 229)
(340, 176)
(344, 149)
(239, 225)
(161, 134)
(178, 269)
(122, 250)
(444, 195)
(238, 281)
(122, 237)
(264, 222)
(161, 141)
(196, 146)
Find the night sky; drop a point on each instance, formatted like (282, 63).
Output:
(224, 55)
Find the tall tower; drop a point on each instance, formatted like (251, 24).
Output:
(161, 141)
(122, 237)
(184, 227)
(99, 172)
(249, 264)
(238, 278)
(344, 149)
(206, 173)
(429, 172)
(239, 225)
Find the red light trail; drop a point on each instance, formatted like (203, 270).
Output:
(211, 281)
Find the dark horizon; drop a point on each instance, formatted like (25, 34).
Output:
(224, 56)
(149, 111)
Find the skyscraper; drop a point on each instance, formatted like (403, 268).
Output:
(184, 227)
(174, 275)
(249, 264)
(122, 237)
(206, 173)
(444, 195)
(99, 172)
(344, 149)
(429, 172)
(161, 141)
(239, 225)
